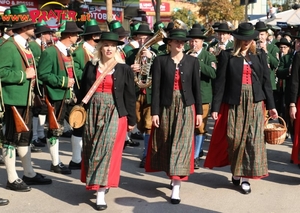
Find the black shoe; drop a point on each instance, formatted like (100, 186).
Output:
(3, 202)
(60, 168)
(67, 134)
(143, 162)
(201, 154)
(34, 148)
(175, 201)
(137, 136)
(38, 179)
(235, 182)
(18, 185)
(248, 191)
(196, 163)
(130, 142)
(43, 140)
(37, 143)
(101, 207)
(106, 190)
(74, 166)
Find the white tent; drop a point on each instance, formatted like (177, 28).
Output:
(290, 17)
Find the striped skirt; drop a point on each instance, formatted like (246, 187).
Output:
(245, 135)
(103, 143)
(171, 147)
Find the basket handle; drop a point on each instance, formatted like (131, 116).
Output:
(266, 122)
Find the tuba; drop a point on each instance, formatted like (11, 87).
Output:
(143, 78)
(178, 24)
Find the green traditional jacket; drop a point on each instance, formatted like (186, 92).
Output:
(273, 60)
(53, 74)
(15, 86)
(36, 50)
(284, 75)
(80, 57)
(208, 67)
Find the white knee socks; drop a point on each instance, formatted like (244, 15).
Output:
(9, 156)
(176, 189)
(101, 196)
(41, 125)
(25, 156)
(76, 148)
(53, 145)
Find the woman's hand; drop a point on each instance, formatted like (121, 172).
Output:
(293, 111)
(198, 120)
(273, 113)
(136, 67)
(130, 128)
(155, 121)
(214, 115)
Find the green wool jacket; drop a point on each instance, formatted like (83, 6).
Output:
(273, 60)
(15, 86)
(80, 58)
(52, 73)
(208, 73)
(36, 50)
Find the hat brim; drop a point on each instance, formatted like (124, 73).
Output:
(78, 30)
(262, 29)
(143, 33)
(197, 36)
(91, 33)
(165, 40)
(21, 24)
(283, 43)
(223, 30)
(43, 29)
(117, 41)
(244, 37)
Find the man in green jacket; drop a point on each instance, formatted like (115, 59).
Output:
(18, 74)
(208, 73)
(81, 56)
(56, 71)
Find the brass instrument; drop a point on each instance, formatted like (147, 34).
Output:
(143, 78)
(210, 30)
(178, 24)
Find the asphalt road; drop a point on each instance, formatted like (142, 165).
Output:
(207, 191)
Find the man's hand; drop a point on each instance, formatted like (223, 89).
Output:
(147, 53)
(136, 67)
(71, 82)
(30, 73)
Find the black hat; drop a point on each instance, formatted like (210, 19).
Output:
(111, 36)
(42, 27)
(143, 29)
(177, 34)
(169, 27)
(196, 33)
(216, 25)
(287, 34)
(223, 27)
(69, 27)
(8, 23)
(283, 41)
(261, 26)
(91, 27)
(245, 31)
(158, 25)
(20, 9)
(116, 27)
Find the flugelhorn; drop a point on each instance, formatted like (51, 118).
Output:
(178, 24)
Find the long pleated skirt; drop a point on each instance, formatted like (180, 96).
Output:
(245, 135)
(103, 143)
(170, 146)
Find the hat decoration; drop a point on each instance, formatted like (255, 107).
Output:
(245, 31)
(158, 25)
(8, 24)
(134, 26)
(116, 27)
(144, 30)
(91, 27)
(20, 9)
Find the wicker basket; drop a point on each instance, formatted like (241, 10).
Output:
(275, 133)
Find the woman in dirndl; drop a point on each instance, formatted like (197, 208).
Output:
(110, 114)
(242, 86)
(176, 109)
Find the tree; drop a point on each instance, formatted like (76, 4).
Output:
(185, 15)
(221, 10)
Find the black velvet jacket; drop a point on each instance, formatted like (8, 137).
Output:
(228, 84)
(123, 89)
(163, 75)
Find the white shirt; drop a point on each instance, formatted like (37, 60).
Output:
(62, 48)
(39, 41)
(5, 36)
(89, 47)
(20, 40)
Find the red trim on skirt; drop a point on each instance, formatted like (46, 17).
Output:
(115, 161)
(295, 149)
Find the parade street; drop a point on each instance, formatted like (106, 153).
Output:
(206, 191)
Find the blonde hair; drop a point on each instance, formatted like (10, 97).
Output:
(237, 47)
(98, 55)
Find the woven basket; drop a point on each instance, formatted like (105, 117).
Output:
(275, 133)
